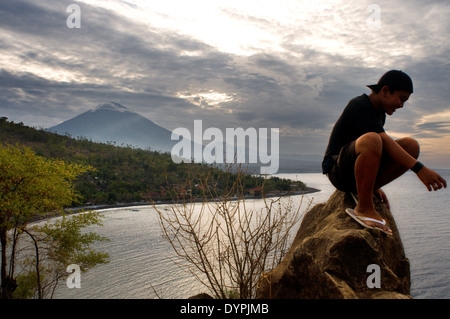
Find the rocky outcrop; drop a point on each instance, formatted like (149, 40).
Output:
(331, 254)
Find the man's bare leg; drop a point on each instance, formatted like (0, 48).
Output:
(390, 170)
(369, 148)
(373, 171)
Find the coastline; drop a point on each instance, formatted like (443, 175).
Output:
(79, 209)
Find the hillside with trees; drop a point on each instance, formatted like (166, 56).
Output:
(132, 175)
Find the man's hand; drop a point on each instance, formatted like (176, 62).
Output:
(431, 179)
(382, 197)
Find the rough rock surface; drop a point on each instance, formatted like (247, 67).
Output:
(330, 255)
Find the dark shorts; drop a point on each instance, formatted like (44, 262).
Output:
(342, 174)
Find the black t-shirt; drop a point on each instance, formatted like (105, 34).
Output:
(359, 117)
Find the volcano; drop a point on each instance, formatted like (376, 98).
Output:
(114, 123)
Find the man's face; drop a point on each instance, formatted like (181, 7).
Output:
(393, 101)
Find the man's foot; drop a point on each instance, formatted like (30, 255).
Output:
(369, 222)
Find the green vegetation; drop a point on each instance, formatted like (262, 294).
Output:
(126, 174)
(55, 245)
(31, 185)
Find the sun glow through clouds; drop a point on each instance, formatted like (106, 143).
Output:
(241, 27)
(207, 100)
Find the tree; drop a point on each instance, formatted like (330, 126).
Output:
(227, 244)
(30, 186)
(56, 244)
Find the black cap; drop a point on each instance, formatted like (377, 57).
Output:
(396, 80)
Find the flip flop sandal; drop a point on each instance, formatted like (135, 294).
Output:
(360, 220)
(355, 198)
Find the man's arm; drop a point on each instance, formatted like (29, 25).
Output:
(429, 178)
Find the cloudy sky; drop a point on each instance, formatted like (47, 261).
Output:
(286, 64)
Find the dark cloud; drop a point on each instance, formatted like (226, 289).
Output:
(300, 89)
(435, 129)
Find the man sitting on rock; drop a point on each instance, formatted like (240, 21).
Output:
(361, 157)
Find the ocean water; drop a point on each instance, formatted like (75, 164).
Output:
(142, 262)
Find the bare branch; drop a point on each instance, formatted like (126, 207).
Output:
(228, 242)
